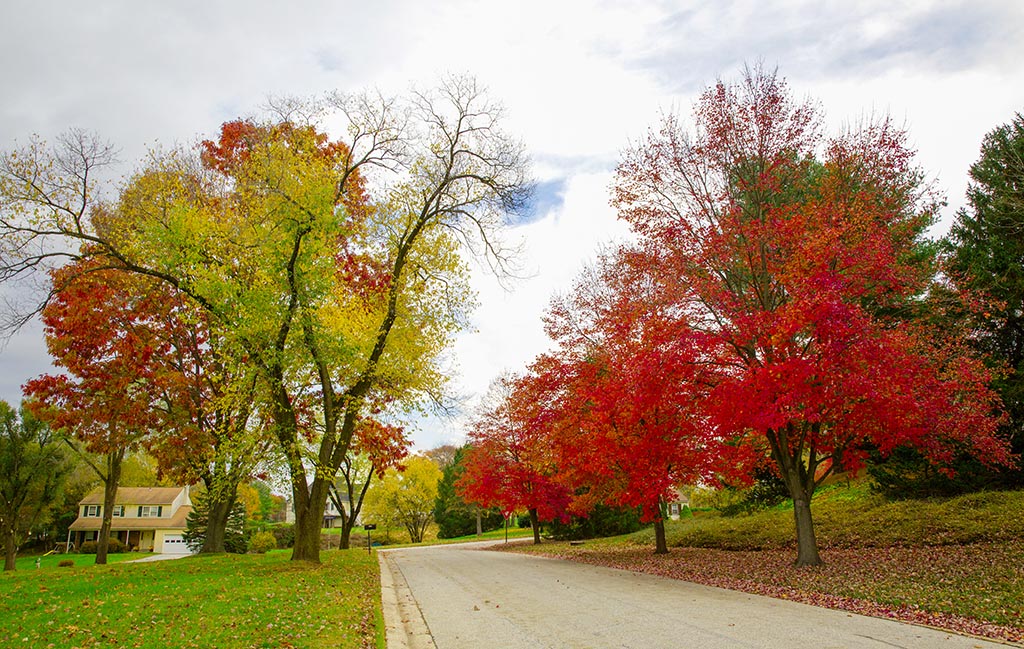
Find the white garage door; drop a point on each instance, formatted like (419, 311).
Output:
(174, 544)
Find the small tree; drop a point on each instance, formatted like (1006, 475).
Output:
(406, 495)
(32, 472)
(375, 447)
(511, 464)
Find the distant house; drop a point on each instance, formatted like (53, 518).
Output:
(332, 517)
(676, 506)
(149, 519)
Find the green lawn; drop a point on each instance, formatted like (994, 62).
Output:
(214, 601)
(50, 561)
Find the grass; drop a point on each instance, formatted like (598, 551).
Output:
(396, 537)
(955, 563)
(51, 560)
(211, 601)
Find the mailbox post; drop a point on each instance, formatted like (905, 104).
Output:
(368, 527)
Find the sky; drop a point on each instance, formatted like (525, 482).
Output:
(579, 80)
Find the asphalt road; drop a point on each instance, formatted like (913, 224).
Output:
(453, 597)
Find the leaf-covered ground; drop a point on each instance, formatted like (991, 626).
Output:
(975, 589)
(222, 601)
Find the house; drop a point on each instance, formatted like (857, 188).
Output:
(332, 516)
(150, 519)
(677, 504)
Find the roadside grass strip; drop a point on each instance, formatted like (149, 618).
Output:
(216, 601)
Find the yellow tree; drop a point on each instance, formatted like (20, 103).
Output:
(405, 496)
(339, 296)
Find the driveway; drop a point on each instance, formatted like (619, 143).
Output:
(453, 597)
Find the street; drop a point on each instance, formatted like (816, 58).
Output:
(453, 597)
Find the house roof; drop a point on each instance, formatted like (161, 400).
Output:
(135, 496)
(131, 523)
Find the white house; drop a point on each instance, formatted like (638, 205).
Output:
(149, 519)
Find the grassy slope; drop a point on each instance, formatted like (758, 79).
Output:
(956, 563)
(203, 601)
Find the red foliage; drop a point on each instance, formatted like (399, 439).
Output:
(385, 445)
(100, 327)
(626, 384)
(509, 464)
(792, 270)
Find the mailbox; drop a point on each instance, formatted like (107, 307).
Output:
(370, 526)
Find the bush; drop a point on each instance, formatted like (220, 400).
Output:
(66, 563)
(907, 474)
(523, 520)
(113, 547)
(262, 542)
(284, 535)
(603, 521)
(462, 522)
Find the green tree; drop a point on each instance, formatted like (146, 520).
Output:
(453, 515)
(984, 256)
(197, 525)
(406, 496)
(32, 472)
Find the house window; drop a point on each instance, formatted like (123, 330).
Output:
(91, 511)
(151, 511)
(118, 510)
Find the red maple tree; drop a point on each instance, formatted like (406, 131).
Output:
(794, 259)
(509, 464)
(626, 423)
(99, 327)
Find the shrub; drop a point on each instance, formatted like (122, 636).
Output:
(262, 542)
(113, 547)
(284, 534)
(603, 521)
(65, 563)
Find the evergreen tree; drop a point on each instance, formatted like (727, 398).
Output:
(198, 520)
(985, 256)
(453, 515)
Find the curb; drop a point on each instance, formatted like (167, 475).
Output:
(404, 625)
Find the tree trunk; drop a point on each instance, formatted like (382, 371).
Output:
(660, 543)
(113, 479)
(799, 479)
(309, 516)
(806, 542)
(479, 523)
(219, 511)
(535, 524)
(10, 549)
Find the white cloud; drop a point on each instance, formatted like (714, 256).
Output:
(579, 79)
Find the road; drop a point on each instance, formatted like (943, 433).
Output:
(453, 597)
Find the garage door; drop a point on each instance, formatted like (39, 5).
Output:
(174, 544)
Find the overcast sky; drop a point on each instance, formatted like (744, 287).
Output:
(579, 80)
